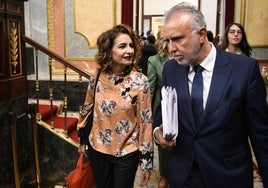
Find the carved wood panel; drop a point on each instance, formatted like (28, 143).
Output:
(12, 61)
(15, 64)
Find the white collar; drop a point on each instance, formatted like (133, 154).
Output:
(209, 62)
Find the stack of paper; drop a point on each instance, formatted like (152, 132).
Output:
(169, 113)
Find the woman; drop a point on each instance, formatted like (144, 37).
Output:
(155, 67)
(235, 40)
(121, 135)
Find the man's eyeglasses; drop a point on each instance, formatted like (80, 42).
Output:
(232, 32)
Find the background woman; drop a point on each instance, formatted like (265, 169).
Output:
(235, 40)
(121, 136)
(155, 67)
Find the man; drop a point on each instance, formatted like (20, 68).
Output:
(212, 148)
(147, 50)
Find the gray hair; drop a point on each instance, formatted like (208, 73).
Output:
(198, 17)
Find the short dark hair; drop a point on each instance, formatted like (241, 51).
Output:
(210, 36)
(148, 32)
(151, 39)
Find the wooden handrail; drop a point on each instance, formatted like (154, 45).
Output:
(55, 56)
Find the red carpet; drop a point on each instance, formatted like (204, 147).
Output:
(59, 120)
(45, 111)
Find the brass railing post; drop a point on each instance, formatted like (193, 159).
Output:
(34, 113)
(65, 102)
(37, 87)
(12, 122)
(51, 96)
(80, 95)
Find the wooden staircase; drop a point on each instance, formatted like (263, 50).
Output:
(53, 121)
(52, 117)
(53, 114)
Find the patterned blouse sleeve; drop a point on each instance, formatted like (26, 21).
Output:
(86, 109)
(145, 122)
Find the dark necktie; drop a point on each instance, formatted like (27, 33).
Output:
(197, 94)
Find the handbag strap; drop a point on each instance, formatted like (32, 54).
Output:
(95, 87)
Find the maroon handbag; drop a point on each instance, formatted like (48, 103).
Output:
(82, 176)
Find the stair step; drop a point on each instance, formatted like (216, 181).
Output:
(59, 123)
(45, 111)
(58, 117)
(45, 107)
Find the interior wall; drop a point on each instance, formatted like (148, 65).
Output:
(209, 14)
(208, 8)
(259, 52)
(36, 24)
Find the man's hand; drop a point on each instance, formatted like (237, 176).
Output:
(158, 135)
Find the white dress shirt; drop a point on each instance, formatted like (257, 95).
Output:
(208, 64)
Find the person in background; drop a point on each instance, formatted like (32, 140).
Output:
(148, 50)
(154, 74)
(235, 40)
(149, 32)
(142, 41)
(221, 105)
(210, 36)
(121, 135)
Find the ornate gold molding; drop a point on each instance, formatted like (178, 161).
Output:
(59, 28)
(242, 12)
(50, 24)
(14, 47)
(15, 57)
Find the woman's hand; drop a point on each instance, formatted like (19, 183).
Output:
(82, 149)
(145, 175)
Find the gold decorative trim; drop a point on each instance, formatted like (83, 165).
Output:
(243, 12)
(50, 26)
(51, 38)
(51, 35)
(14, 50)
(56, 16)
(14, 47)
(114, 12)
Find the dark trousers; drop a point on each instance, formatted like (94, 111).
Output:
(162, 161)
(194, 179)
(114, 172)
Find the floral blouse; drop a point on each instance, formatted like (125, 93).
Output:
(122, 120)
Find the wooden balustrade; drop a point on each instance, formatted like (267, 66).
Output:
(66, 65)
